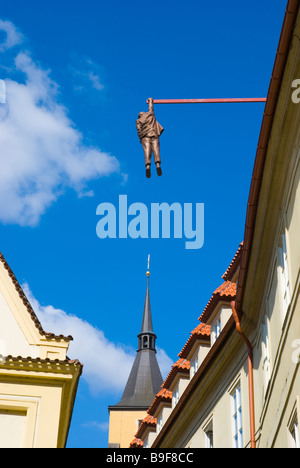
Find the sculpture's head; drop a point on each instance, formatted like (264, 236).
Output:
(140, 114)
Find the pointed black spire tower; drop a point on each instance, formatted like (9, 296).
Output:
(145, 378)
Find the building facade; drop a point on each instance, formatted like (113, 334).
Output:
(237, 382)
(38, 383)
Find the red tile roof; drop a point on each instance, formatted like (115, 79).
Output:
(201, 332)
(136, 443)
(225, 292)
(181, 366)
(229, 273)
(148, 421)
(164, 395)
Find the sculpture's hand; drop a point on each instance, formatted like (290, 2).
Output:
(150, 103)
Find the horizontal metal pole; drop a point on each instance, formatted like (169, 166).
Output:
(207, 101)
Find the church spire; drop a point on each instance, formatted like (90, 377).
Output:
(147, 337)
(145, 377)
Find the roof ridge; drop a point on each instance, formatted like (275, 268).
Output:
(28, 306)
(234, 263)
(201, 332)
(164, 395)
(225, 291)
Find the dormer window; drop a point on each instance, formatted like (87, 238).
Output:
(215, 328)
(175, 396)
(194, 365)
(159, 423)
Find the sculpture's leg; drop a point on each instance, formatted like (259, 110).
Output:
(146, 142)
(156, 154)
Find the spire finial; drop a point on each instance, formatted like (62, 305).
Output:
(148, 270)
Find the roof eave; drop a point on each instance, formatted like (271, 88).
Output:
(270, 108)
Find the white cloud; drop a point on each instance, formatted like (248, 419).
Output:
(12, 36)
(41, 151)
(2, 92)
(106, 364)
(86, 74)
(164, 361)
(95, 80)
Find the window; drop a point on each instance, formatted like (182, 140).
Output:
(175, 396)
(266, 352)
(294, 431)
(194, 365)
(138, 423)
(145, 341)
(284, 274)
(216, 329)
(237, 425)
(12, 428)
(146, 442)
(159, 423)
(209, 436)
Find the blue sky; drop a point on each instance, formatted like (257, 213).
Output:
(77, 74)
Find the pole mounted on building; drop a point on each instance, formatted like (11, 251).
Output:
(208, 101)
(149, 130)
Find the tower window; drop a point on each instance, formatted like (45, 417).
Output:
(145, 341)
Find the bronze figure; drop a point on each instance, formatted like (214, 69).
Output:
(149, 131)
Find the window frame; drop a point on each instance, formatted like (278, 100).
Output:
(283, 274)
(194, 364)
(216, 328)
(237, 415)
(208, 430)
(293, 428)
(175, 395)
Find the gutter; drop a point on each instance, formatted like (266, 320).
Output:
(250, 374)
(274, 88)
(270, 108)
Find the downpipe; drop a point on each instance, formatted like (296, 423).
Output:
(250, 373)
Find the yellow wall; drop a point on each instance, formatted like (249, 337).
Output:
(123, 425)
(35, 405)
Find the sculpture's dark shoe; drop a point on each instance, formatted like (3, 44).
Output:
(158, 170)
(148, 172)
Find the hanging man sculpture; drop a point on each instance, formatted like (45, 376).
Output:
(149, 131)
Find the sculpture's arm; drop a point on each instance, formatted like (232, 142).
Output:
(139, 128)
(150, 106)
